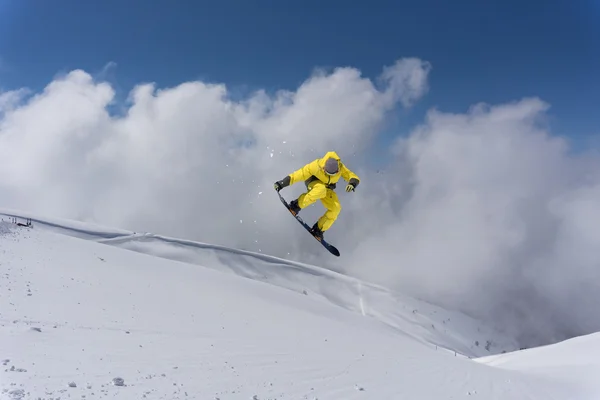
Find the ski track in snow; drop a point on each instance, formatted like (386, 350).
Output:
(91, 319)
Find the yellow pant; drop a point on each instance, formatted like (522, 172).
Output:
(318, 191)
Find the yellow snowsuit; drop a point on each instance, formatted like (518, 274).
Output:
(321, 186)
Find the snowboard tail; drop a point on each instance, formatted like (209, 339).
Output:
(332, 249)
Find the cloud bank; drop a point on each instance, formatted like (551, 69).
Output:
(488, 212)
(485, 211)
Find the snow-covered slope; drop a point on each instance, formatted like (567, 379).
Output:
(76, 310)
(575, 361)
(420, 320)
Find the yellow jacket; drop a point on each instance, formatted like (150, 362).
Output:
(315, 170)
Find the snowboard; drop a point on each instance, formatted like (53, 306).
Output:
(332, 249)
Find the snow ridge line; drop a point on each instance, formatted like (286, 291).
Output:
(312, 269)
(113, 236)
(58, 224)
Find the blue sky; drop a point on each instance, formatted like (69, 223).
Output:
(480, 51)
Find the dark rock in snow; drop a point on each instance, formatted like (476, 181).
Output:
(118, 382)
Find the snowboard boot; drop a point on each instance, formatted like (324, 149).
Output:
(318, 233)
(294, 207)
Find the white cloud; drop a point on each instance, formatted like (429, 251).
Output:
(186, 160)
(407, 80)
(10, 99)
(482, 211)
(496, 219)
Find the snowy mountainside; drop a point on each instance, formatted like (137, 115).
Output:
(82, 319)
(420, 320)
(574, 361)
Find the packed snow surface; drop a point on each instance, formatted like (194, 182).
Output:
(91, 312)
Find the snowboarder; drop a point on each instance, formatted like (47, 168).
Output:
(320, 177)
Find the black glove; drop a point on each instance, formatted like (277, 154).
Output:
(352, 184)
(282, 183)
